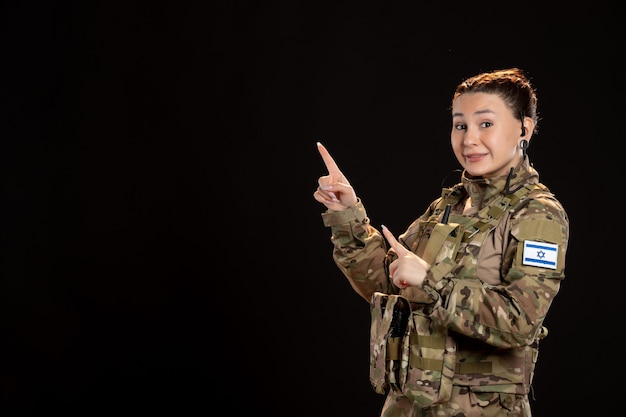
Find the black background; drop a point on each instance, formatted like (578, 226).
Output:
(161, 248)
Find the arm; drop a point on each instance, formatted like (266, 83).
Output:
(359, 250)
(510, 313)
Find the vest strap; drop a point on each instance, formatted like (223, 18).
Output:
(426, 363)
(473, 367)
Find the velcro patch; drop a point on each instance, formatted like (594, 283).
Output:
(541, 254)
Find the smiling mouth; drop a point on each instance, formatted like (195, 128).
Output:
(474, 157)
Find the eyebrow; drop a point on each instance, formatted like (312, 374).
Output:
(478, 112)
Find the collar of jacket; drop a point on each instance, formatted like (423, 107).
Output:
(483, 190)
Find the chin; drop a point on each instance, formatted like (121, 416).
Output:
(473, 172)
(478, 172)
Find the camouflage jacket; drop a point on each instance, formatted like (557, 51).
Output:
(492, 300)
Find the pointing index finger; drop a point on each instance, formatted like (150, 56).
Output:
(393, 242)
(330, 163)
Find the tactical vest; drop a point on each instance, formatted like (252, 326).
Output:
(413, 355)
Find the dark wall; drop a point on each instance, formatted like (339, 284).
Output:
(161, 247)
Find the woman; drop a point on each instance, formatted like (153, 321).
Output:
(459, 299)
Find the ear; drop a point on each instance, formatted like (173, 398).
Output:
(528, 127)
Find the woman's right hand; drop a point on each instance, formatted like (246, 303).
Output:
(334, 190)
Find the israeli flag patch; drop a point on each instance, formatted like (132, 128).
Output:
(541, 254)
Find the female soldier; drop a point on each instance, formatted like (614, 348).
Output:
(458, 301)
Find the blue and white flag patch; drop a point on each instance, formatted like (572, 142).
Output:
(541, 254)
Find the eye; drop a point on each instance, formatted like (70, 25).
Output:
(460, 126)
(486, 124)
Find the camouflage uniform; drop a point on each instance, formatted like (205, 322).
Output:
(491, 301)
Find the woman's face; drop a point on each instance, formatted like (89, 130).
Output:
(485, 135)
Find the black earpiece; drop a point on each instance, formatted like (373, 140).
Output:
(523, 144)
(522, 116)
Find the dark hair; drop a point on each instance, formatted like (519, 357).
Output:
(511, 85)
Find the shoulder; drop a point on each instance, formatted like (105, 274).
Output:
(542, 216)
(542, 202)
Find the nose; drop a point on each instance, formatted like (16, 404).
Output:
(469, 137)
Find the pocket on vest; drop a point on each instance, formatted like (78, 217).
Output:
(408, 353)
(427, 373)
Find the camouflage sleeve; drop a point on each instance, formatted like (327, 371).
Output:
(511, 313)
(358, 250)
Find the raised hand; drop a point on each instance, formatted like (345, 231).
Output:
(334, 190)
(408, 269)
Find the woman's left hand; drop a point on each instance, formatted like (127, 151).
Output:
(408, 269)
